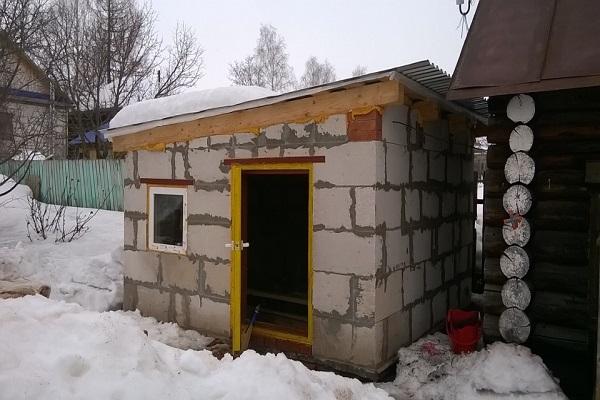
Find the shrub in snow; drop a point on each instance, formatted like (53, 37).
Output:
(42, 219)
(87, 271)
(52, 218)
(80, 225)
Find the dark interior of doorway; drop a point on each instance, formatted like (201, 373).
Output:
(276, 226)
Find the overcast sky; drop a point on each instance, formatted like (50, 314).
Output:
(380, 35)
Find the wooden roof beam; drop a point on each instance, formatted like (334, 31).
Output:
(428, 110)
(315, 107)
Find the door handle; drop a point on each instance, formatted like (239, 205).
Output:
(237, 245)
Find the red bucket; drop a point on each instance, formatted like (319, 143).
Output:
(464, 330)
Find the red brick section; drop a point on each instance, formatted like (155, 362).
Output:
(366, 127)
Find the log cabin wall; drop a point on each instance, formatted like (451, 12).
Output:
(566, 129)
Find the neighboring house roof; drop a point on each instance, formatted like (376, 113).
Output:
(422, 79)
(60, 97)
(517, 46)
(89, 137)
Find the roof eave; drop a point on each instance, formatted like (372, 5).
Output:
(532, 87)
(417, 88)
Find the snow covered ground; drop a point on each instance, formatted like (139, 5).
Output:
(87, 271)
(58, 350)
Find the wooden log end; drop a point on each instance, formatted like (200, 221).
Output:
(514, 326)
(514, 262)
(11, 290)
(520, 108)
(516, 231)
(519, 167)
(517, 200)
(521, 138)
(515, 293)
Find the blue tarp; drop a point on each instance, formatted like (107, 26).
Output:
(90, 136)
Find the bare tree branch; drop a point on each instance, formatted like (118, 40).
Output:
(316, 73)
(268, 66)
(359, 70)
(24, 132)
(184, 65)
(106, 54)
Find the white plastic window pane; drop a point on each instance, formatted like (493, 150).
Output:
(168, 219)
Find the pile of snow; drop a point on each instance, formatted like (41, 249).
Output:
(166, 332)
(87, 271)
(429, 370)
(58, 350)
(29, 155)
(189, 102)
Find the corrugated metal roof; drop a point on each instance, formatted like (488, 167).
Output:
(433, 78)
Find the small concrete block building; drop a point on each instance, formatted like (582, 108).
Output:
(345, 211)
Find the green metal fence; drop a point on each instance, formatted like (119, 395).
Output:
(82, 183)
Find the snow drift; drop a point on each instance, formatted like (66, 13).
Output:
(61, 351)
(428, 370)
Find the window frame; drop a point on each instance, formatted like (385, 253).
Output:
(169, 190)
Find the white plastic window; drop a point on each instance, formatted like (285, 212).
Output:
(167, 223)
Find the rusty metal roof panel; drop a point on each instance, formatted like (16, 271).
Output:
(529, 46)
(574, 45)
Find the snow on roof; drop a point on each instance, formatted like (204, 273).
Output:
(186, 103)
(194, 105)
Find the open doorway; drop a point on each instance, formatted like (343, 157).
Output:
(274, 268)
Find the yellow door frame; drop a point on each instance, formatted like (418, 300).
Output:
(236, 258)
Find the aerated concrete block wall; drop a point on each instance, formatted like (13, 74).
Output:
(193, 289)
(424, 214)
(391, 238)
